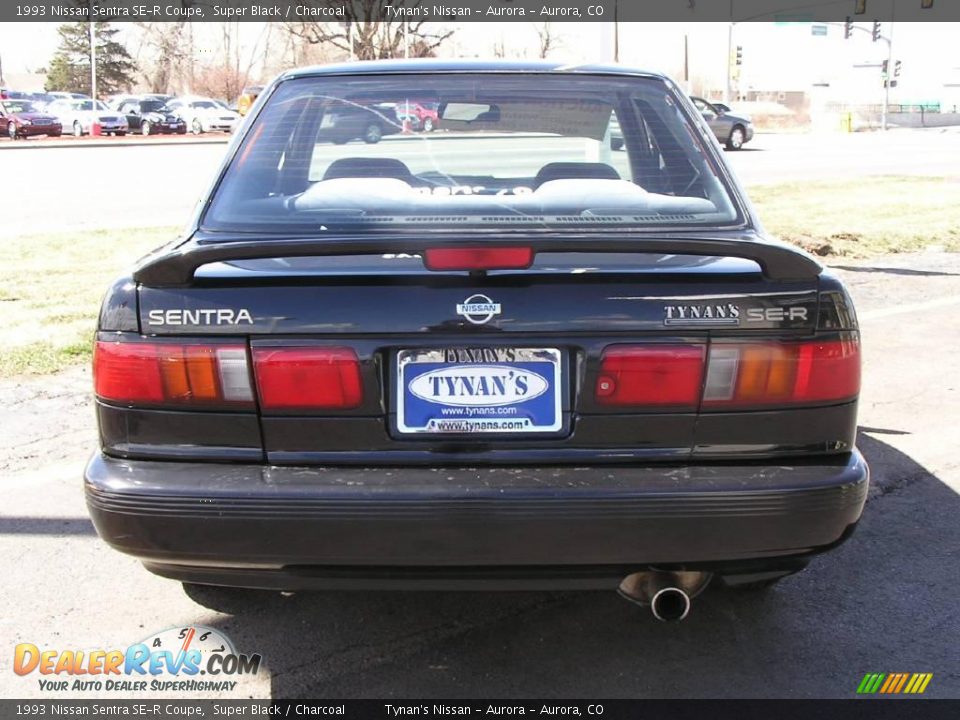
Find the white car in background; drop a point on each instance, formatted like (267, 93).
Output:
(204, 114)
(78, 117)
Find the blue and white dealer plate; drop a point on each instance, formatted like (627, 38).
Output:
(479, 390)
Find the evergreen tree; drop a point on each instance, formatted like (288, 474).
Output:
(69, 68)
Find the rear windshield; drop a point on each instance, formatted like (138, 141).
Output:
(503, 150)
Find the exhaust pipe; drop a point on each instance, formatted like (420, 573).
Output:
(669, 594)
(670, 605)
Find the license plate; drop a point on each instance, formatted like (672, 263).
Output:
(479, 390)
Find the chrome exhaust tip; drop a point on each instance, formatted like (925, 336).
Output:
(671, 604)
(669, 594)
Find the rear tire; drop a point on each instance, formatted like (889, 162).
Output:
(77, 129)
(145, 128)
(428, 124)
(738, 137)
(12, 131)
(196, 127)
(372, 134)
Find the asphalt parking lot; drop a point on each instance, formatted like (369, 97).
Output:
(884, 602)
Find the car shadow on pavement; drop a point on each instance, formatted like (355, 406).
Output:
(883, 602)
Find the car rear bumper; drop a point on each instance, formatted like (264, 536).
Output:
(295, 527)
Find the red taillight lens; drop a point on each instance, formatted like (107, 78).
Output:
(651, 375)
(176, 374)
(307, 378)
(478, 258)
(744, 375)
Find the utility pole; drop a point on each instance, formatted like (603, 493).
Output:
(93, 60)
(728, 89)
(616, 31)
(887, 80)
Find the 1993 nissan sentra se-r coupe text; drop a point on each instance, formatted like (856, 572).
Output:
(496, 355)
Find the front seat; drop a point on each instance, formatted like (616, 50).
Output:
(369, 168)
(574, 170)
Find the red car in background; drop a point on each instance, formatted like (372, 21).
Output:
(19, 119)
(423, 116)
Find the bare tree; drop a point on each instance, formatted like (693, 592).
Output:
(548, 41)
(367, 34)
(233, 67)
(168, 46)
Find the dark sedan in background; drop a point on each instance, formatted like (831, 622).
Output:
(343, 122)
(20, 119)
(152, 117)
(731, 129)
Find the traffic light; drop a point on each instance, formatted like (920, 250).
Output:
(876, 31)
(883, 71)
(860, 8)
(847, 28)
(896, 68)
(739, 54)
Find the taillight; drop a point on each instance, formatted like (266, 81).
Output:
(145, 373)
(733, 375)
(307, 378)
(478, 258)
(746, 375)
(651, 375)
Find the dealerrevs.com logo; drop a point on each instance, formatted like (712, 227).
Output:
(184, 659)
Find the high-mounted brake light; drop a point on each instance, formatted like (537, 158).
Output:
(307, 378)
(745, 375)
(201, 374)
(651, 375)
(478, 258)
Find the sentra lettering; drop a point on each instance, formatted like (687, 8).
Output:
(200, 316)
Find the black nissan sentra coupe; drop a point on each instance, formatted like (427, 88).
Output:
(496, 355)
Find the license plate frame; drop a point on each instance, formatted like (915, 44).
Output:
(472, 391)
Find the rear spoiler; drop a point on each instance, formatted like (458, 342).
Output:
(176, 268)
